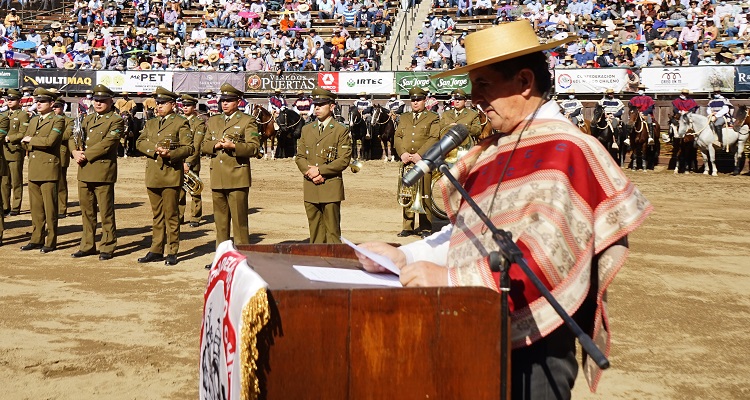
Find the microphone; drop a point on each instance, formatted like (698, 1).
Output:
(434, 156)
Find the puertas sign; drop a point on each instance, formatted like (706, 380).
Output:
(62, 79)
(135, 81)
(286, 82)
(407, 80)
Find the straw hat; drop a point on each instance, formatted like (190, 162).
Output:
(145, 65)
(55, 25)
(69, 65)
(494, 44)
(186, 64)
(303, 8)
(213, 57)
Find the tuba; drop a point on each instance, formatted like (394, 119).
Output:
(436, 205)
(409, 197)
(192, 184)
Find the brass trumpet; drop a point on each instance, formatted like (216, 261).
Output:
(168, 143)
(193, 184)
(332, 153)
(409, 196)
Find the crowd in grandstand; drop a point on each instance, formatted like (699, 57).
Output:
(259, 35)
(611, 33)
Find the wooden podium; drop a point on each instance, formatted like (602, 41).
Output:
(334, 341)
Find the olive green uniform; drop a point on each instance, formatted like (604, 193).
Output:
(466, 116)
(4, 126)
(164, 177)
(415, 134)
(12, 187)
(44, 172)
(230, 172)
(62, 183)
(327, 145)
(97, 177)
(198, 128)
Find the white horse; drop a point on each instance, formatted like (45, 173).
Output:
(704, 138)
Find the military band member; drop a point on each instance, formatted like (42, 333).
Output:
(94, 150)
(4, 126)
(460, 115)
(58, 107)
(231, 140)
(323, 152)
(125, 104)
(572, 108)
(416, 132)
(42, 141)
(12, 188)
(167, 141)
(193, 163)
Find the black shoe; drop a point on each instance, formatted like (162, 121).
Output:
(170, 260)
(61, 216)
(31, 246)
(6, 213)
(195, 224)
(208, 266)
(151, 257)
(14, 213)
(79, 253)
(105, 256)
(46, 249)
(425, 234)
(405, 233)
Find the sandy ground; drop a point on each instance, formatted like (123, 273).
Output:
(84, 329)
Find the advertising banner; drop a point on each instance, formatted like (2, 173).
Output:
(407, 80)
(329, 81)
(695, 79)
(135, 81)
(201, 82)
(742, 78)
(8, 78)
(595, 80)
(65, 80)
(368, 82)
(287, 82)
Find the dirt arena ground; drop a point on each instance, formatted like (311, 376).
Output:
(84, 329)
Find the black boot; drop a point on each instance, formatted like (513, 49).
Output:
(738, 167)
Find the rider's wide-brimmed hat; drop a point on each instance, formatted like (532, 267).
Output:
(500, 43)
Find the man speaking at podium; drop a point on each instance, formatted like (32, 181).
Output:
(568, 207)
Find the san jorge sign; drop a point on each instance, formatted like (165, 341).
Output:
(407, 80)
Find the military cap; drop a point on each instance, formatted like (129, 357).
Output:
(459, 94)
(43, 94)
(322, 96)
(228, 91)
(417, 91)
(59, 102)
(188, 100)
(102, 92)
(162, 94)
(13, 94)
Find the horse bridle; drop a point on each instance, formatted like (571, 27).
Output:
(643, 122)
(256, 108)
(289, 126)
(380, 123)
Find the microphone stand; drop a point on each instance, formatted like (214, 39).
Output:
(500, 261)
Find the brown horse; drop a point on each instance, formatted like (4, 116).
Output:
(642, 155)
(484, 121)
(684, 154)
(586, 127)
(264, 120)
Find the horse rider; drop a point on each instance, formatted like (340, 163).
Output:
(573, 108)
(395, 106)
(645, 105)
(303, 106)
(125, 104)
(416, 132)
(149, 108)
(460, 114)
(27, 100)
(718, 114)
(85, 104)
(613, 109)
(276, 103)
(682, 105)
(323, 152)
(212, 103)
(364, 106)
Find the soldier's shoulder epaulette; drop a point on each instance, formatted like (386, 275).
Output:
(339, 123)
(179, 116)
(311, 122)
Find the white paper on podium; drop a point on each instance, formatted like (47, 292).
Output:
(385, 262)
(350, 276)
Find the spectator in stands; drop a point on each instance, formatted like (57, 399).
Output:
(349, 17)
(303, 17)
(691, 33)
(641, 56)
(464, 8)
(325, 9)
(199, 33)
(363, 17)
(458, 53)
(378, 27)
(443, 24)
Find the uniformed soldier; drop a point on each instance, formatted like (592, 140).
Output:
(323, 152)
(167, 141)
(95, 152)
(231, 140)
(718, 112)
(460, 115)
(12, 188)
(42, 141)
(572, 108)
(613, 108)
(58, 107)
(364, 106)
(4, 127)
(193, 163)
(125, 104)
(416, 132)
